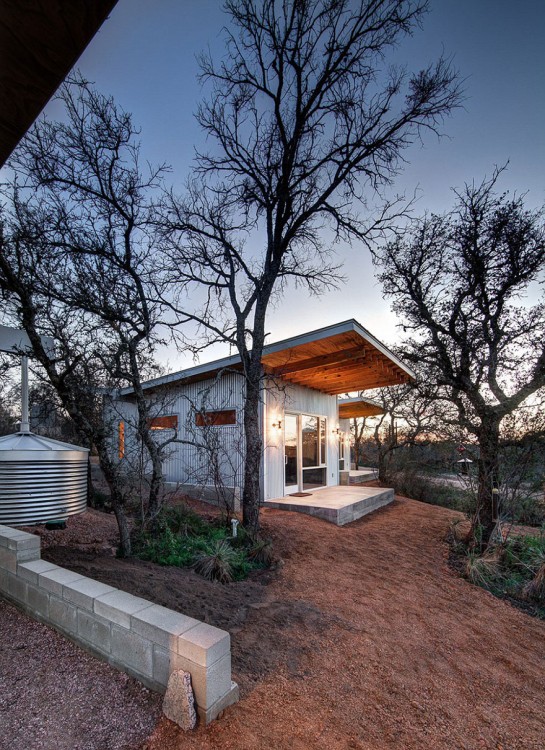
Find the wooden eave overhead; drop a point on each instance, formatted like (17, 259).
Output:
(338, 359)
(40, 41)
(341, 359)
(358, 407)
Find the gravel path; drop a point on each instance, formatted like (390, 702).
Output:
(54, 696)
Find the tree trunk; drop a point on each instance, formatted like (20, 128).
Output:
(357, 444)
(156, 481)
(382, 464)
(486, 514)
(253, 440)
(90, 486)
(116, 496)
(124, 533)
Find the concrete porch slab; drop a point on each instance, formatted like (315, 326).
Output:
(339, 505)
(363, 475)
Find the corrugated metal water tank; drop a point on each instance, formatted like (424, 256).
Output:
(40, 479)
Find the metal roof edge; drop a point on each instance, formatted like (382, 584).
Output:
(357, 399)
(208, 367)
(304, 338)
(383, 349)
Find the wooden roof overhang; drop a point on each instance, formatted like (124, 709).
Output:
(358, 407)
(40, 41)
(340, 359)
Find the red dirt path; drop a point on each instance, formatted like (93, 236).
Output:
(364, 639)
(385, 647)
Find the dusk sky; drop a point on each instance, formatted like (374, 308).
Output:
(144, 56)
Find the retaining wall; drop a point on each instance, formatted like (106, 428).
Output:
(141, 638)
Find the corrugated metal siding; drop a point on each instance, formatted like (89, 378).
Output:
(191, 464)
(281, 398)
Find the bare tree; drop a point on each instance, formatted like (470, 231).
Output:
(358, 426)
(408, 419)
(458, 282)
(306, 130)
(77, 261)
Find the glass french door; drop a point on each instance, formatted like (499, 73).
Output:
(291, 454)
(305, 453)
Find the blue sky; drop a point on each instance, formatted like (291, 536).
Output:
(144, 56)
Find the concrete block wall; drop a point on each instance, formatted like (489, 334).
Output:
(141, 638)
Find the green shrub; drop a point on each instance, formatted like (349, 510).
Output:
(527, 510)
(412, 483)
(184, 539)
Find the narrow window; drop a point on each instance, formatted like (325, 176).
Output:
(169, 422)
(216, 418)
(322, 441)
(121, 440)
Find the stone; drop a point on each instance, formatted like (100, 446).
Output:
(179, 701)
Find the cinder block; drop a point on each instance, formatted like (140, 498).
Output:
(209, 684)
(17, 588)
(118, 606)
(38, 601)
(24, 541)
(163, 664)
(7, 533)
(95, 630)
(8, 559)
(130, 649)
(63, 614)
(162, 625)
(209, 714)
(204, 644)
(27, 554)
(54, 580)
(3, 580)
(83, 592)
(32, 569)
(218, 680)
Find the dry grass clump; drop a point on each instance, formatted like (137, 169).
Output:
(535, 589)
(484, 569)
(217, 565)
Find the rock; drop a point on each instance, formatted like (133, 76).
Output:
(179, 701)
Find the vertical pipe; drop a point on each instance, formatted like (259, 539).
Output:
(25, 426)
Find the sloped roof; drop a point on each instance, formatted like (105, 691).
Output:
(341, 358)
(358, 407)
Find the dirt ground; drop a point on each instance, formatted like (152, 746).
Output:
(363, 639)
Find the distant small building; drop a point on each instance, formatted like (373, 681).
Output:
(463, 465)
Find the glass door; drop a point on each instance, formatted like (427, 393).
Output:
(313, 441)
(291, 454)
(305, 450)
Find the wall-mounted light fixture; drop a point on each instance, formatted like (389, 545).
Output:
(337, 431)
(277, 424)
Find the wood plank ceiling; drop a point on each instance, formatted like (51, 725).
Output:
(40, 41)
(358, 408)
(341, 363)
